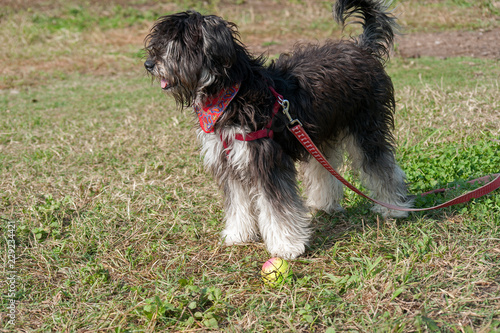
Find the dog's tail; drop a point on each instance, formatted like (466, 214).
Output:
(379, 24)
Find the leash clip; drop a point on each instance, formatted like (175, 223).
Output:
(286, 105)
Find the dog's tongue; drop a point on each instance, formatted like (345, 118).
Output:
(164, 83)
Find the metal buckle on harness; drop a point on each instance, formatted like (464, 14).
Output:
(286, 105)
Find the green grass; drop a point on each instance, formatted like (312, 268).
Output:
(117, 224)
(78, 18)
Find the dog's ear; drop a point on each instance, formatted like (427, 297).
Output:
(218, 42)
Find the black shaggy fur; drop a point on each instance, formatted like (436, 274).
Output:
(337, 90)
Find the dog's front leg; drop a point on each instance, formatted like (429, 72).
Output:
(284, 222)
(230, 168)
(241, 223)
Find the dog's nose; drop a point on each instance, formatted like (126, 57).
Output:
(149, 64)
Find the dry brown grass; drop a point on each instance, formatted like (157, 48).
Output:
(473, 112)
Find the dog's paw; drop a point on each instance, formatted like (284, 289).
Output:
(286, 251)
(234, 238)
(330, 209)
(389, 213)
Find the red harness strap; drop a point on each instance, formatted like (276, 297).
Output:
(266, 132)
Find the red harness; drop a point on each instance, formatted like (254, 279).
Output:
(266, 132)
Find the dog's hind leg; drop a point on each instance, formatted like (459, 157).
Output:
(379, 173)
(323, 191)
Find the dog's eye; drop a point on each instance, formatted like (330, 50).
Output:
(151, 51)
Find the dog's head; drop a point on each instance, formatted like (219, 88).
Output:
(192, 55)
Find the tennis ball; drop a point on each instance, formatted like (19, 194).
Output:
(275, 271)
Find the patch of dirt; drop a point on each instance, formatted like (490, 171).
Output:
(477, 44)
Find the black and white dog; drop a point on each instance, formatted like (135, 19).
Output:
(339, 91)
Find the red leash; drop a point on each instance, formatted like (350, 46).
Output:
(306, 141)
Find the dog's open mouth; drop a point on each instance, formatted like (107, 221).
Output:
(165, 84)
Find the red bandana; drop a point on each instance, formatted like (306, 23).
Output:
(214, 107)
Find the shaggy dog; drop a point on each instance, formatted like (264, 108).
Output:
(339, 91)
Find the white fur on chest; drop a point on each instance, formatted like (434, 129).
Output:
(237, 153)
